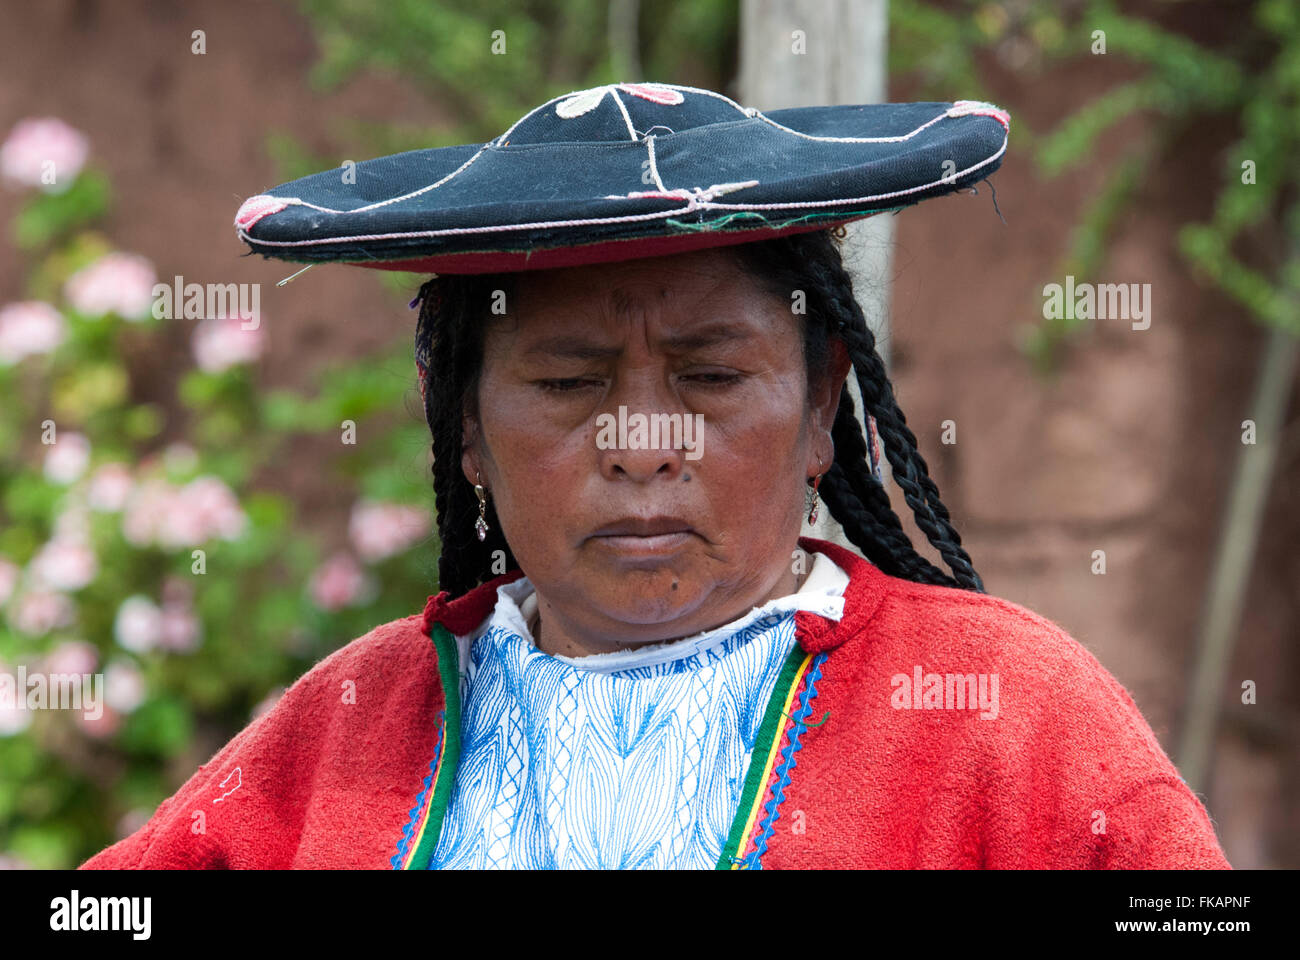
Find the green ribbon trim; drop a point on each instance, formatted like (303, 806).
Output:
(773, 222)
(449, 675)
(773, 722)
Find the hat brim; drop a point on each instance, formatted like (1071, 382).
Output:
(480, 208)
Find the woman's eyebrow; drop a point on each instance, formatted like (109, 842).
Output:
(569, 345)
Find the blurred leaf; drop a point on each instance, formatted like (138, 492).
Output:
(143, 421)
(48, 216)
(199, 389)
(161, 725)
(93, 387)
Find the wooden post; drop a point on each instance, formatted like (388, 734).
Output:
(796, 53)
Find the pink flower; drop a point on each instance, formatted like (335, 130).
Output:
(124, 688)
(145, 507)
(110, 486)
(67, 457)
(379, 530)
(29, 328)
(181, 630)
(64, 563)
(222, 342)
(104, 725)
(177, 592)
(13, 720)
(158, 513)
(214, 504)
(338, 582)
(72, 656)
(138, 624)
(180, 458)
(120, 283)
(72, 523)
(38, 612)
(43, 152)
(9, 572)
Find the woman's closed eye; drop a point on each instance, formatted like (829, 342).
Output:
(713, 378)
(567, 384)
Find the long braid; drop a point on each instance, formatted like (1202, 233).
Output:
(909, 467)
(812, 262)
(449, 342)
(861, 505)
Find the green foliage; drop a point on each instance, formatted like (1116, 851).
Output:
(48, 216)
(938, 48)
(446, 48)
(1179, 83)
(259, 621)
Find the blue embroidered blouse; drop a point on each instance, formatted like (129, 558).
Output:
(631, 759)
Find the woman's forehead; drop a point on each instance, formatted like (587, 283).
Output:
(682, 294)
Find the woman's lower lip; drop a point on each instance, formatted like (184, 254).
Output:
(658, 543)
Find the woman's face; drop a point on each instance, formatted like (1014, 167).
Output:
(635, 536)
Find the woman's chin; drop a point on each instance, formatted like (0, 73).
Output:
(644, 594)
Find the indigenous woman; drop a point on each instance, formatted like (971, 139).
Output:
(634, 659)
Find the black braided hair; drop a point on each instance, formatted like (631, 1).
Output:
(449, 341)
(812, 262)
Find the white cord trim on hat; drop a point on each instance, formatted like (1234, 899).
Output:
(631, 130)
(809, 136)
(697, 200)
(573, 93)
(748, 111)
(296, 201)
(713, 93)
(654, 166)
(299, 202)
(696, 196)
(880, 196)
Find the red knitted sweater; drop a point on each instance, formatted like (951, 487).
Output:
(1054, 768)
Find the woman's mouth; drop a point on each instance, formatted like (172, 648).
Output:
(653, 544)
(645, 536)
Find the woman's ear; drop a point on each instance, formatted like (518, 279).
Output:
(826, 398)
(469, 460)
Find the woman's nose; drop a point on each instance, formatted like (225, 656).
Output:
(640, 432)
(635, 461)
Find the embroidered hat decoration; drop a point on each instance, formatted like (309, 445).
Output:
(625, 171)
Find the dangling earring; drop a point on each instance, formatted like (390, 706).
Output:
(480, 524)
(812, 496)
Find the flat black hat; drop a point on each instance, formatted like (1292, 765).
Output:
(624, 171)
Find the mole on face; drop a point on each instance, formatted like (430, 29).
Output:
(686, 478)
